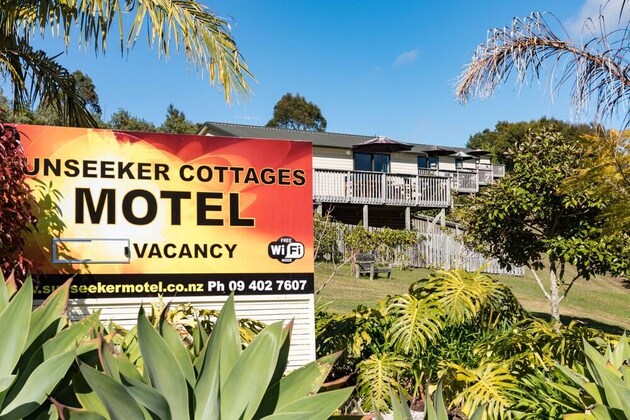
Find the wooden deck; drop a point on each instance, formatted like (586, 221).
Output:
(358, 187)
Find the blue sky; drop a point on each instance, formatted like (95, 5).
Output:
(373, 67)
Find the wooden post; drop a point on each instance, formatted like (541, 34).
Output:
(319, 209)
(349, 186)
(383, 188)
(408, 218)
(365, 216)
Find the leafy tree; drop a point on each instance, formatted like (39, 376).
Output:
(530, 217)
(176, 122)
(605, 173)
(506, 134)
(123, 120)
(37, 77)
(86, 89)
(7, 113)
(295, 113)
(48, 114)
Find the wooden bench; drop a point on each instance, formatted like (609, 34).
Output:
(366, 264)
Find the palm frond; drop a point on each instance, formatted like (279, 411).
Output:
(37, 77)
(182, 25)
(597, 68)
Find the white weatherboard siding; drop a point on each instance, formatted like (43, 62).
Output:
(404, 164)
(267, 309)
(447, 163)
(327, 158)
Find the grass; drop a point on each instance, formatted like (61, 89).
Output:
(600, 302)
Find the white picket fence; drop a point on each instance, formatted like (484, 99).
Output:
(440, 249)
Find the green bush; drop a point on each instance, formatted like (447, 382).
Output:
(468, 333)
(15, 204)
(406, 338)
(326, 231)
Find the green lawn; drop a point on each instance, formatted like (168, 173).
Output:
(602, 301)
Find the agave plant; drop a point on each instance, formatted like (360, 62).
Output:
(37, 348)
(224, 381)
(599, 388)
(186, 318)
(604, 386)
(435, 406)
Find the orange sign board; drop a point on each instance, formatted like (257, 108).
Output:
(137, 214)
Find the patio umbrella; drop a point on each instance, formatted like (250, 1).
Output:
(462, 155)
(438, 151)
(381, 144)
(478, 152)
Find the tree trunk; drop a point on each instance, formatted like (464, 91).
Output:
(554, 297)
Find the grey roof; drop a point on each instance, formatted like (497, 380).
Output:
(321, 139)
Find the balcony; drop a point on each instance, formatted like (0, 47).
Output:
(498, 171)
(358, 187)
(464, 181)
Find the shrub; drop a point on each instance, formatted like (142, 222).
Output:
(325, 238)
(15, 204)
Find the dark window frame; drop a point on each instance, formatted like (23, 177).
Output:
(385, 166)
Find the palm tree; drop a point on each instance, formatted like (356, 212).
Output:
(184, 25)
(599, 68)
(599, 72)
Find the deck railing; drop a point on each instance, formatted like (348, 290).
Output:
(466, 181)
(485, 176)
(463, 180)
(359, 187)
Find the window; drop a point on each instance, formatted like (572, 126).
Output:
(459, 163)
(430, 162)
(374, 162)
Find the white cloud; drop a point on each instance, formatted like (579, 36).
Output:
(593, 13)
(406, 57)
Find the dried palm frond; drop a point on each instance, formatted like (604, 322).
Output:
(599, 69)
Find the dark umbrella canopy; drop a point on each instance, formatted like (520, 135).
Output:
(381, 144)
(438, 151)
(478, 152)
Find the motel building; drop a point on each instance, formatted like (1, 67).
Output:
(377, 181)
